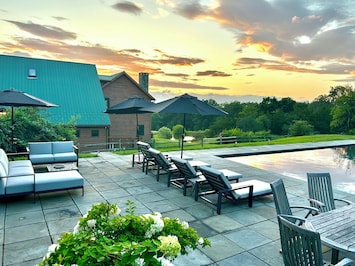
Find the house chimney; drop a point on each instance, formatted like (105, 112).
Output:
(144, 80)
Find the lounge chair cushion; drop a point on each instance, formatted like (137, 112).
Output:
(260, 188)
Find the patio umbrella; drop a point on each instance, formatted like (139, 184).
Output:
(185, 104)
(15, 98)
(131, 105)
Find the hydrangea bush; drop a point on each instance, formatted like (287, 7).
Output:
(104, 237)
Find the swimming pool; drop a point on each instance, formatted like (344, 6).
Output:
(339, 162)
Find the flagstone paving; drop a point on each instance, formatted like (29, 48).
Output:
(239, 236)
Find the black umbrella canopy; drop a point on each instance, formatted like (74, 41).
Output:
(15, 98)
(132, 105)
(185, 104)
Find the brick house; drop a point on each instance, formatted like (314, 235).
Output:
(80, 94)
(117, 88)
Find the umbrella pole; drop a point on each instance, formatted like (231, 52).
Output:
(182, 137)
(137, 135)
(12, 129)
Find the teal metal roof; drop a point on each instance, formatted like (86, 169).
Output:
(75, 87)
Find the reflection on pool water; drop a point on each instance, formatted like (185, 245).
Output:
(339, 162)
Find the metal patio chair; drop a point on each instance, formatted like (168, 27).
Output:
(162, 164)
(281, 201)
(320, 192)
(300, 246)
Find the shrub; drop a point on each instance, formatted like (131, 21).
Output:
(301, 128)
(165, 133)
(103, 237)
(177, 131)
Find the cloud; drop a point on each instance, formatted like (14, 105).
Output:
(191, 10)
(213, 73)
(130, 60)
(276, 27)
(329, 68)
(59, 18)
(44, 31)
(176, 60)
(182, 85)
(128, 7)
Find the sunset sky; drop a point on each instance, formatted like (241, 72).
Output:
(281, 48)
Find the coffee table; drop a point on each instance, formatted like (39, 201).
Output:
(56, 167)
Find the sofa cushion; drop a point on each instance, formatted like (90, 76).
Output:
(64, 157)
(58, 181)
(4, 161)
(40, 148)
(2, 186)
(42, 158)
(3, 173)
(62, 147)
(19, 185)
(20, 163)
(19, 171)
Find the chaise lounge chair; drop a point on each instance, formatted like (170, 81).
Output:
(235, 191)
(162, 163)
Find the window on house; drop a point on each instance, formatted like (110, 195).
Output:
(94, 133)
(32, 73)
(77, 133)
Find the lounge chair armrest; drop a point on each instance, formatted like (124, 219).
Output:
(294, 219)
(311, 210)
(344, 262)
(348, 202)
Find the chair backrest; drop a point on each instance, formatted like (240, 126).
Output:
(185, 168)
(142, 145)
(216, 178)
(159, 158)
(280, 197)
(299, 245)
(320, 188)
(145, 151)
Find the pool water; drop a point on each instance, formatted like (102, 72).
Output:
(339, 162)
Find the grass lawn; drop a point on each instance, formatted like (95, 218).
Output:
(286, 140)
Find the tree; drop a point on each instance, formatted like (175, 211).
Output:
(165, 133)
(177, 131)
(343, 110)
(301, 128)
(31, 125)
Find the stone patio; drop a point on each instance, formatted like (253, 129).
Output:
(239, 236)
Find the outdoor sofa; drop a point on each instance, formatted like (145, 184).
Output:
(53, 152)
(19, 178)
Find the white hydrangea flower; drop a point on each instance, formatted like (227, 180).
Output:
(185, 224)
(201, 241)
(91, 223)
(76, 228)
(139, 262)
(52, 248)
(170, 246)
(157, 226)
(165, 262)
